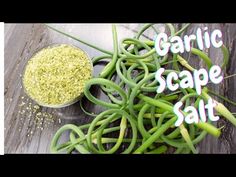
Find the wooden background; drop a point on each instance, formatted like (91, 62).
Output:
(26, 133)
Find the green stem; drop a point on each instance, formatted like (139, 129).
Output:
(155, 136)
(82, 41)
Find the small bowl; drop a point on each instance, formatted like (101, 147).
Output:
(64, 104)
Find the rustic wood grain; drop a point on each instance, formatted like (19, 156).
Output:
(23, 40)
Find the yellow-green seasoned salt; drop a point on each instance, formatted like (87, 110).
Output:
(56, 75)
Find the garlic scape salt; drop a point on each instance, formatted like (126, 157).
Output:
(56, 75)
